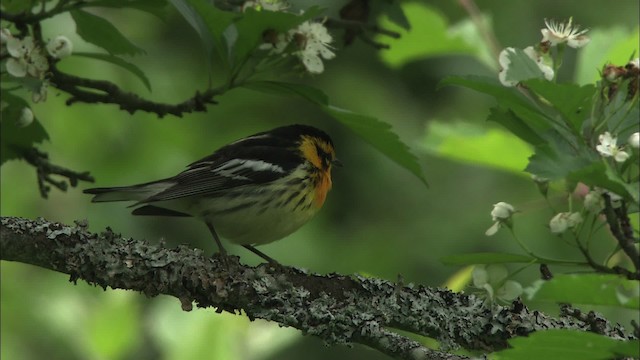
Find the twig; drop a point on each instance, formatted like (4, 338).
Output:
(102, 91)
(44, 170)
(487, 34)
(616, 218)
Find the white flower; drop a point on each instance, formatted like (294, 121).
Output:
(616, 200)
(268, 5)
(594, 202)
(563, 221)
(26, 58)
(634, 139)
(502, 211)
(5, 34)
(608, 147)
(313, 40)
(501, 214)
(560, 32)
(487, 277)
(26, 117)
(635, 63)
(535, 56)
(60, 47)
(558, 223)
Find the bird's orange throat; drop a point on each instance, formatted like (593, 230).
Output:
(323, 185)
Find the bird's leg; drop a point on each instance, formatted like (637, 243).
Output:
(221, 249)
(261, 254)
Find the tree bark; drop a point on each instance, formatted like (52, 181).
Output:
(338, 309)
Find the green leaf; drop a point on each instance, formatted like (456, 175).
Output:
(210, 23)
(522, 67)
(100, 32)
(251, 26)
(558, 158)
(308, 93)
(588, 289)
(16, 6)
(563, 344)
(507, 97)
(119, 62)
(603, 176)
(13, 137)
(486, 258)
(571, 100)
(429, 36)
(379, 134)
(515, 125)
(473, 144)
(154, 7)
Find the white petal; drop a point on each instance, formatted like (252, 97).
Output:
(16, 67)
(26, 117)
(313, 63)
(578, 41)
(510, 290)
(493, 229)
(621, 156)
(479, 276)
(634, 140)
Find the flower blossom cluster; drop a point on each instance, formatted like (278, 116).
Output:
(309, 41)
(554, 34)
(27, 58)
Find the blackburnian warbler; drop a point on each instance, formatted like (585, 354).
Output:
(253, 191)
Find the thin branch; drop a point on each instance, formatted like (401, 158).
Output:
(102, 91)
(339, 309)
(44, 170)
(487, 34)
(618, 221)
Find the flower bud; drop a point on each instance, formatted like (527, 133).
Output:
(634, 140)
(60, 47)
(26, 117)
(502, 211)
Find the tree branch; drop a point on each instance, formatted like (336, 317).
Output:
(339, 309)
(101, 91)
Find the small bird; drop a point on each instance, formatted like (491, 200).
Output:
(253, 191)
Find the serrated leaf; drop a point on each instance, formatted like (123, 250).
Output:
(473, 144)
(571, 100)
(100, 32)
(506, 97)
(154, 7)
(521, 67)
(309, 93)
(487, 258)
(379, 134)
(16, 6)
(13, 137)
(118, 62)
(253, 23)
(429, 36)
(558, 159)
(588, 289)
(515, 125)
(563, 344)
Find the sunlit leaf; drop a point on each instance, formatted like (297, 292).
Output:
(102, 33)
(429, 36)
(472, 144)
(562, 344)
(486, 258)
(13, 137)
(119, 62)
(588, 289)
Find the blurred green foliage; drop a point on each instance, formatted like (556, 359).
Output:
(379, 219)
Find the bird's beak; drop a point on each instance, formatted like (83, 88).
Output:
(337, 163)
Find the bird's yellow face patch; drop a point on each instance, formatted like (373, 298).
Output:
(321, 155)
(317, 152)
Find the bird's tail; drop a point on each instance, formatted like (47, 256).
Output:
(138, 192)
